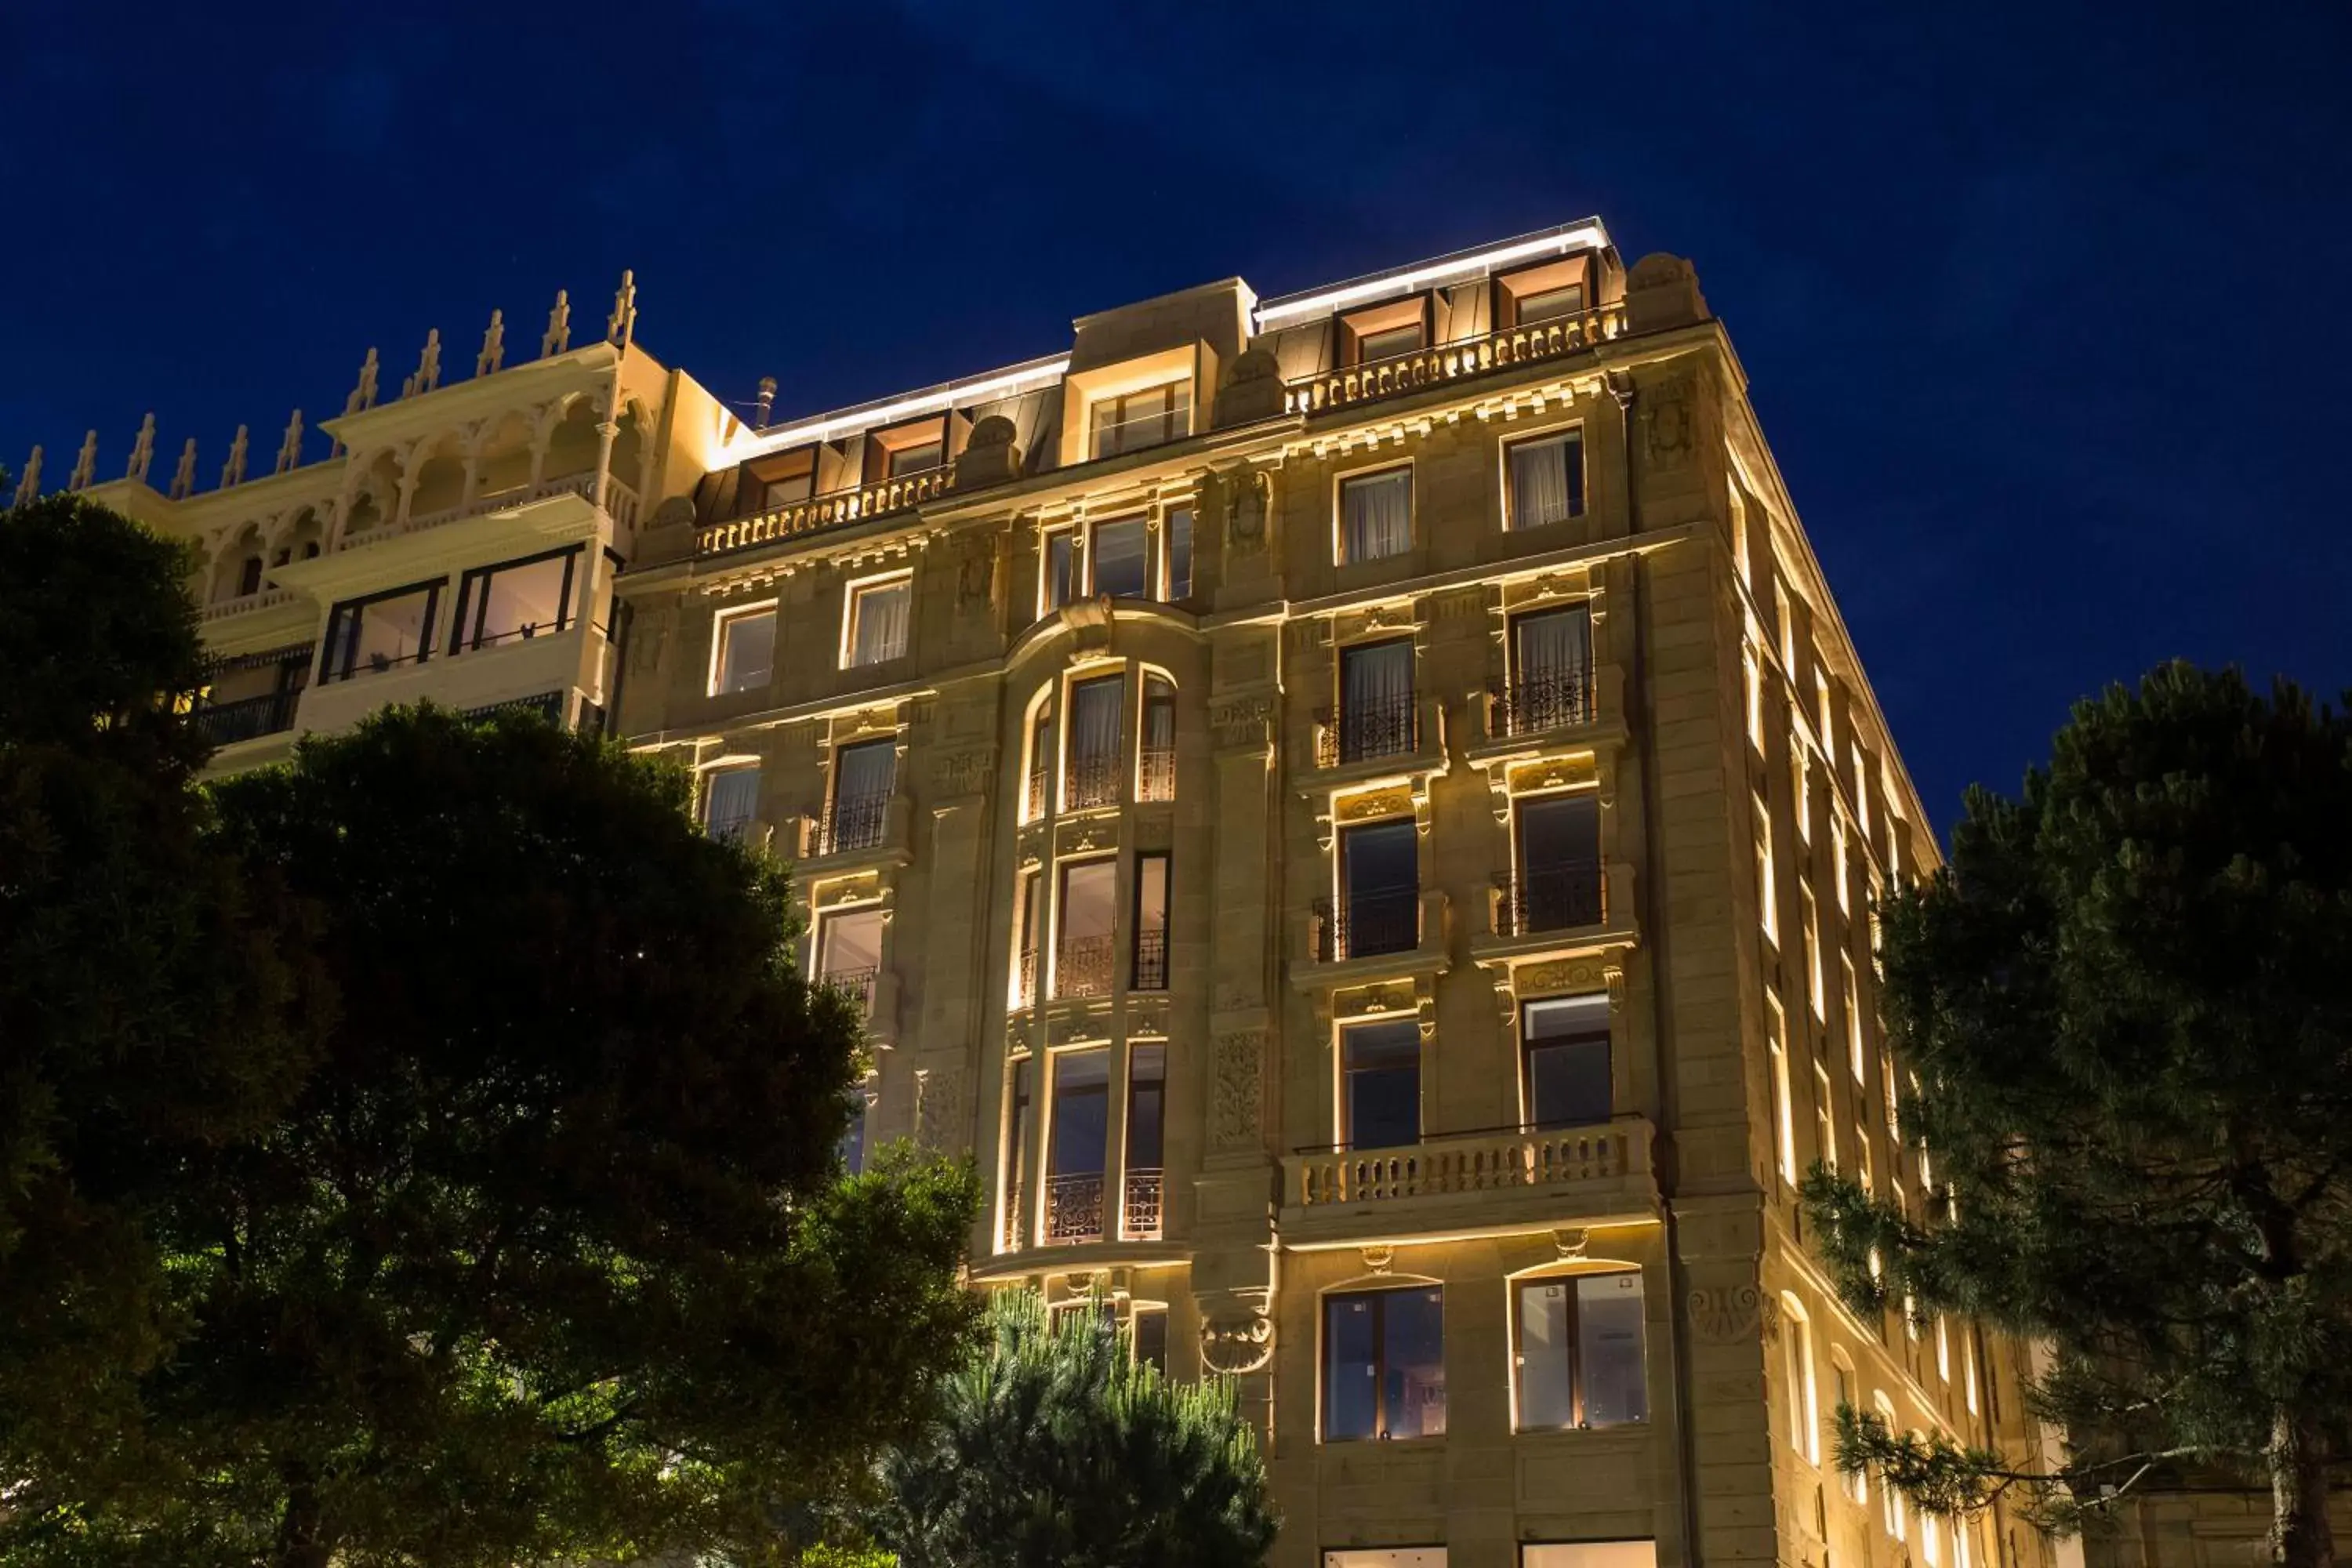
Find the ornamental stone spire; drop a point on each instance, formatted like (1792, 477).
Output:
(85, 465)
(184, 479)
(289, 451)
(559, 327)
(142, 450)
(362, 397)
(622, 325)
(428, 367)
(28, 484)
(494, 346)
(233, 472)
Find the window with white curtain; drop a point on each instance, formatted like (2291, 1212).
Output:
(877, 621)
(746, 655)
(1547, 479)
(1096, 741)
(1376, 515)
(730, 797)
(1376, 701)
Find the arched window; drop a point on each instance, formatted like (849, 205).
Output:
(249, 577)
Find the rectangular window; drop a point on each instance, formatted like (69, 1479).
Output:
(1838, 863)
(864, 776)
(1082, 954)
(788, 491)
(1894, 1515)
(1061, 568)
(1096, 742)
(1147, 1098)
(1149, 961)
(1784, 1131)
(1180, 555)
(1041, 753)
(1943, 1348)
(1149, 1325)
(1379, 1070)
(1802, 765)
(1804, 1408)
(904, 461)
(1123, 562)
(1156, 757)
(1857, 1484)
(1024, 954)
(1822, 705)
(878, 612)
(731, 798)
(1549, 305)
(1580, 1358)
(1547, 479)
(1138, 419)
(1385, 1365)
(1077, 1146)
(746, 657)
(1551, 663)
(1380, 866)
(1557, 878)
(514, 602)
(1376, 701)
(1376, 515)
(1564, 1044)
(851, 1150)
(381, 632)
(1824, 1129)
(1016, 1152)
(1752, 673)
(1767, 896)
(1814, 997)
(1588, 1554)
(1388, 343)
(1862, 1169)
(849, 951)
(1852, 999)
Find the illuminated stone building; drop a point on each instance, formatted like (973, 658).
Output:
(1359, 809)
(456, 542)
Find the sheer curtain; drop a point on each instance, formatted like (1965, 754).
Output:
(1094, 719)
(1539, 487)
(1552, 646)
(1376, 515)
(881, 630)
(1377, 676)
(868, 772)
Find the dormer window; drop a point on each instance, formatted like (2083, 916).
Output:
(778, 481)
(1551, 291)
(915, 459)
(1389, 344)
(1551, 304)
(1385, 331)
(903, 451)
(1133, 420)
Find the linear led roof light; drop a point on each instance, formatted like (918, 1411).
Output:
(1588, 235)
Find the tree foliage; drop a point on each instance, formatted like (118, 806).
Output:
(2127, 1003)
(1054, 1448)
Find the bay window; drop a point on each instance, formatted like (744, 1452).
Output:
(1149, 970)
(1147, 1096)
(1088, 914)
(1156, 758)
(516, 600)
(1077, 1145)
(381, 631)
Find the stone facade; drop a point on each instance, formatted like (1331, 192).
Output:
(1173, 954)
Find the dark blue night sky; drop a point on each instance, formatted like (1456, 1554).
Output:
(2043, 307)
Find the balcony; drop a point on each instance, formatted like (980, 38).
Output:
(834, 509)
(247, 719)
(1074, 1208)
(1151, 961)
(1367, 731)
(1082, 967)
(1140, 1219)
(1571, 1172)
(1091, 782)
(854, 986)
(1551, 898)
(1424, 368)
(1156, 773)
(1366, 925)
(620, 504)
(857, 822)
(246, 604)
(1553, 701)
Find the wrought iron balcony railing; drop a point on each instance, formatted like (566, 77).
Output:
(1082, 967)
(1074, 1208)
(1361, 731)
(856, 985)
(1150, 960)
(1146, 1191)
(1549, 898)
(1092, 780)
(1024, 980)
(249, 718)
(1365, 925)
(856, 823)
(1156, 773)
(1034, 805)
(1551, 701)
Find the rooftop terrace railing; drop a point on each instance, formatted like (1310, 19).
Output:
(1401, 373)
(834, 509)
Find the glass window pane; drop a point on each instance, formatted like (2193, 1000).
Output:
(1120, 563)
(915, 459)
(851, 944)
(1151, 1337)
(1147, 1076)
(1567, 1043)
(1413, 1353)
(1351, 1401)
(1376, 515)
(733, 797)
(1381, 1068)
(879, 622)
(1609, 1347)
(1386, 344)
(1081, 1113)
(1061, 568)
(513, 602)
(1547, 1392)
(1546, 480)
(747, 650)
(1550, 305)
(1179, 553)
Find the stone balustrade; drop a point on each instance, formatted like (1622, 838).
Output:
(246, 603)
(836, 508)
(1468, 1163)
(1422, 368)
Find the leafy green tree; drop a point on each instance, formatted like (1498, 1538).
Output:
(1054, 1448)
(145, 1014)
(2127, 1002)
(552, 1256)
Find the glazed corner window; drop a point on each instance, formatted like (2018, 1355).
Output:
(1149, 964)
(1087, 937)
(1137, 419)
(1078, 1143)
(381, 632)
(1147, 1098)
(1380, 1071)
(515, 601)
(1122, 560)
(1564, 1045)
(730, 796)
(1580, 1357)
(1375, 515)
(1385, 1365)
(1547, 477)
(878, 622)
(745, 658)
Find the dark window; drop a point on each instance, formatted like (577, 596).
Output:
(1380, 892)
(914, 460)
(1385, 1365)
(249, 577)
(1147, 1084)
(514, 600)
(789, 492)
(1376, 701)
(1024, 980)
(1151, 1337)
(1150, 958)
(1180, 554)
(1549, 305)
(1016, 1152)
(1564, 1041)
(1122, 560)
(1546, 475)
(747, 651)
(864, 775)
(1041, 753)
(1580, 1356)
(381, 631)
(1096, 741)
(1559, 862)
(1078, 1143)
(1388, 343)
(1552, 654)
(1061, 568)
(1380, 1083)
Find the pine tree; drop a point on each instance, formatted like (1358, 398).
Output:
(1054, 1448)
(2127, 1003)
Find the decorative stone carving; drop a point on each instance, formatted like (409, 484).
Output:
(1236, 1333)
(29, 483)
(976, 570)
(1460, 603)
(1147, 1019)
(142, 450)
(1566, 975)
(557, 339)
(1237, 1107)
(1378, 1258)
(648, 639)
(939, 1111)
(1662, 290)
(1722, 1314)
(1666, 424)
(85, 461)
(183, 477)
(289, 450)
(233, 472)
(965, 771)
(1243, 721)
(494, 346)
(1253, 498)
(1253, 389)
(1570, 1243)
(991, 456)
(622, 324)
